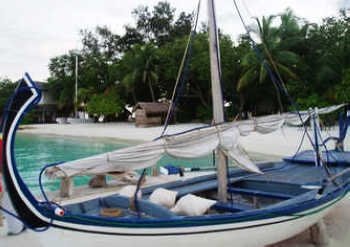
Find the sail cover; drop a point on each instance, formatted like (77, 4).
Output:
(188, 145)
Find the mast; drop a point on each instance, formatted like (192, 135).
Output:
(218, 104)
(76, 87)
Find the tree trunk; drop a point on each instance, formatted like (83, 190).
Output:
(278, 96)
(198, 91)
(241, 105)
(151, 90)
(134, 96)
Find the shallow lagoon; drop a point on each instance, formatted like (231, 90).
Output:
(35, 151)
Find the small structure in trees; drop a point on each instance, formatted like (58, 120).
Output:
(46, 110)
(150, 114)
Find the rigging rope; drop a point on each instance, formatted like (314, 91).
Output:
(183, 70)
(278, 82)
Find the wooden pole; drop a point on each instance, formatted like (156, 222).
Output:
(218, 104)
(76, 87)
(66, 187)
(315, 127)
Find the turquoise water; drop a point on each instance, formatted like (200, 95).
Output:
(35, 151)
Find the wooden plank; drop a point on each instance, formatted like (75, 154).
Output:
(251, 192)
(66, 187)
(140, 113)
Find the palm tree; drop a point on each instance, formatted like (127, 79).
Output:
(141, 65)
(274, 53)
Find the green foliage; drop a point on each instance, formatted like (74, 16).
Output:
(342, 90)
(277, 54)
(142, 65)
(106, 104)
(204, 113)
(6, 90)
(312, 101)
(30, 118)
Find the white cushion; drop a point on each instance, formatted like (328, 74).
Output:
(129, 191)
(191, 205)
(163, 197)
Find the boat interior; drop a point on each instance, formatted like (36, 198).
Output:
(332, 157)
(283, 183)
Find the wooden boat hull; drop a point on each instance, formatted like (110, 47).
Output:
(249, 234)
(257, 227)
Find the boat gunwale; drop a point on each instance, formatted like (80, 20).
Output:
(272, 211)
(258, 223)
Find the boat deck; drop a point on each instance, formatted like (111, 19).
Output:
(281, 184)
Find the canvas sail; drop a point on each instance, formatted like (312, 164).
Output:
(189, 145)
(192, 144)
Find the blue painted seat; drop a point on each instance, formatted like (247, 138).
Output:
(252, 192)
(93, 207)
(332, 158)
(231, 207)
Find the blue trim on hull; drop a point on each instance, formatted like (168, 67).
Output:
(259, 214)
(22, 96)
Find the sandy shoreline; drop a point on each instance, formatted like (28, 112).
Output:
(120, 131)
(277, 144)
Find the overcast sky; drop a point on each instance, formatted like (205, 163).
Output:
(34, 31)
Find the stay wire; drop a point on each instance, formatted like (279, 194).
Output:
(325, 165)
(279, 83)
(182, 69)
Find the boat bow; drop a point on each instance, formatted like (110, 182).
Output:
(25, 97)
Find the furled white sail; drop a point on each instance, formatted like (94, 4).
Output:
(192, 144)
(326, 110)
(188, 145)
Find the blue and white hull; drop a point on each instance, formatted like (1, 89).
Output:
(297, 204)
(249, 234)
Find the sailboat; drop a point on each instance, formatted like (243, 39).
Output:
(252, 205)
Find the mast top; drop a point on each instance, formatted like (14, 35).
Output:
(218, 104)
(215, 65)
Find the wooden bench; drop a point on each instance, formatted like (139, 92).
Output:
(251, 192)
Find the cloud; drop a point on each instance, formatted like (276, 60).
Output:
(34, 31)
(344, 4)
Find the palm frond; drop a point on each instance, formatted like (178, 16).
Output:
(287, 57)
(286, 72)
(248, 78)
(263, 72)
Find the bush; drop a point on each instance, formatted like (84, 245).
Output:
(107, 104)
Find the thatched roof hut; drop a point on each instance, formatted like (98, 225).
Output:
(150, 113)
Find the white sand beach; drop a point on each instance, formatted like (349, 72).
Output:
(277, 144)
(122, 131)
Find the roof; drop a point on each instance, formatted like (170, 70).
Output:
(152, 107)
